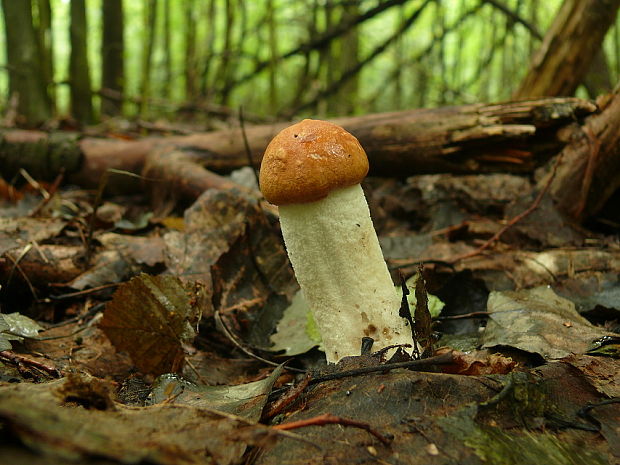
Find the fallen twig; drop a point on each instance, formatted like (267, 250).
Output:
(287, 399)
(20, 359)
(437, 360)
(218, 319)
(329, 419)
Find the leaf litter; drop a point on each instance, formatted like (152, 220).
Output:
(527, 376)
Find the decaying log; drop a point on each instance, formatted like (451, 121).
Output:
(512, 137)
(589, 170)
(172, 174)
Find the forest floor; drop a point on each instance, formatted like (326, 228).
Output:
(136, 329)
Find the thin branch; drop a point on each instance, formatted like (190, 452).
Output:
(248, 150)
(430, 47)
(218, 318)
(20, 359)
(348, 74)
(424, 362)
(315, 43)
(329, 419)
(515, 17)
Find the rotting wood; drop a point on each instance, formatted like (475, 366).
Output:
(589, 172)
(510, 137)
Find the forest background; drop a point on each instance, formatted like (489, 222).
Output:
(199, 61)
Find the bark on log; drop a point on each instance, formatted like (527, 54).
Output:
(510, 137)
(568, 49)
(172, 174)
(589, 170)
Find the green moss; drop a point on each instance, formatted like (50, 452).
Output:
(526, 399)
(523, 447)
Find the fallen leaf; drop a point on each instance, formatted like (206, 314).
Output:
(151, 317)
(22, 326)
(478, 362)
(534, 320)
(245, 400)
(602, 373)
(147, 250)
(292, 335)
(5, 344)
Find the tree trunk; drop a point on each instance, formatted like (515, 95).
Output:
(205, 83)
(191, 71)
(150, 16)
(349, 58)
(513, 137)
(44, 33)
(167, 51)
(79, 74)
(273, 53)
(112, 63)
(598, 80)
(568, 48)
(223, 73)
(26, 78)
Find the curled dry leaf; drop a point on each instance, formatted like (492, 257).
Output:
(479, 362)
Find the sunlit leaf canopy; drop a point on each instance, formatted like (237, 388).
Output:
(412, 53)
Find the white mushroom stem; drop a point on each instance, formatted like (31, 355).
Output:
(339, 265)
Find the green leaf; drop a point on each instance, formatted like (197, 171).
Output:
(296, 332)
(20, 326)
(245, 400)
(435, 305)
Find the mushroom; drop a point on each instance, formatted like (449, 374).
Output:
(312, 171)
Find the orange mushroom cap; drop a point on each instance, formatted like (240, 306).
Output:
(308, 160)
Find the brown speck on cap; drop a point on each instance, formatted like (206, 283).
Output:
(307, 160)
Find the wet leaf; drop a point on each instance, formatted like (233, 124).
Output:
(151, 317)
(229, 245)
(395, 247)
(417, 409)
(596, 291)
(601, 372)
(538, 321)
(147, 250)
(20, 326)
(4, 341)
(16, 327)
(545, 225)
(108, 267)
(245, 400)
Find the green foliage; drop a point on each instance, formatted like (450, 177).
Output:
(454, 52)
